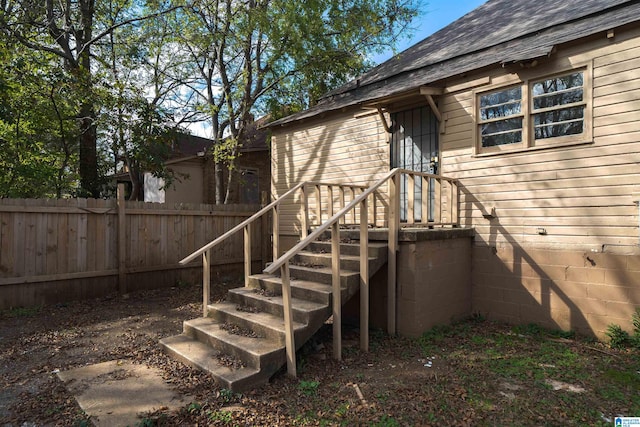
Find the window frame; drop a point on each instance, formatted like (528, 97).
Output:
(526, 80)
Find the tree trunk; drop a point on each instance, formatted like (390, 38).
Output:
(219, 172)
(89, 181)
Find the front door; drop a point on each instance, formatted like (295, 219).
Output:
(414, 146)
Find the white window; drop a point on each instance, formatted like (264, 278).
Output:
(545, 112)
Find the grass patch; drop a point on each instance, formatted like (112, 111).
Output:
(22, 312)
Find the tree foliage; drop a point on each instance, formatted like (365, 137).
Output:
(269, 56)
(116, 78)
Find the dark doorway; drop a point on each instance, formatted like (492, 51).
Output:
(414, 146)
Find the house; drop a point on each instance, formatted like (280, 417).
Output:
(191, 162)
(492, 168)
(533, 107)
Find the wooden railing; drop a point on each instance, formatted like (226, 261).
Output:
(358, 209)
(336, 195)
(361, 201)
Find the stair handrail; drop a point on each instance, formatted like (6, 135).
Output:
(282, 262)
(240, 226)
(275, 265)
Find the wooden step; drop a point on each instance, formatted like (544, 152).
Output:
(302, 289)
(257, 313)
(263, 324)
(375, 249)
(253, 352)
(304, 311)
(201, 356)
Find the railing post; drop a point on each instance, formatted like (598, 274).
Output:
(411, 198)
(425, 199)
(353, 211)
(329, 201)
(364, 277)
(247, 254)
(394, 225)
(305, 212)
(342, 203)
(374, 209)
(206, 278)
(288, 320)
(437, 215)
(318, 204)
(457, 205)
(276, 233)
(336, 291)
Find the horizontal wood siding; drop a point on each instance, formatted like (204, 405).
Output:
(342, 149)
(579, 195)
(49, 241)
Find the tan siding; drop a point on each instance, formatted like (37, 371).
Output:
(341, 149)
(581, 195)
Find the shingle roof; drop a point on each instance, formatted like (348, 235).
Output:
(499, 31)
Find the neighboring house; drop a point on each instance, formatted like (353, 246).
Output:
(192, 164)
(533, 106)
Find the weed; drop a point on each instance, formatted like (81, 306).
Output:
(618, 337)
(478, 340)
(22, 311)
(194, 407)
(531, 329)
(382, 396)
(181, 284)
(308, 388)
(559, 333)
(434, 336)
(222, 416)
(635, 319)
(386, 421)
(147, 422)
(227, 395)
(342, 410)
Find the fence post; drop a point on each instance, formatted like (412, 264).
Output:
(122, 242)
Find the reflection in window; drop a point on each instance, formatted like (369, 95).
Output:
(558, 106)
(500, 115)
(535, 112)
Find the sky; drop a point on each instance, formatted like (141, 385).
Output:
(435, 15)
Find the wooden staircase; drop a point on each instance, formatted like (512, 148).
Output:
(241, 342)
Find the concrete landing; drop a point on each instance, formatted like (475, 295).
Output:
(119, 393)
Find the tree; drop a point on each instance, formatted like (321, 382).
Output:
(251, 57)
(37, 131)
(70, 30)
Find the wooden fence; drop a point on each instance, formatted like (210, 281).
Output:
(57, 250)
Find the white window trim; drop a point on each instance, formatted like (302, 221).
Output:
(528, 143)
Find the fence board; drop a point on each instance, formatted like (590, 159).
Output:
(74, 243)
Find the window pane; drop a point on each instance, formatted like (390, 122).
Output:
(554, 99)
(559, 115)
(502, 139)
(503, 103)
(563, 129)
(556, 84)
(501, 126)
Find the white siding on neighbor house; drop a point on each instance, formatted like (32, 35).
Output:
(342, 150)
(581, 195)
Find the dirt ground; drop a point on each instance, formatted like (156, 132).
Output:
(474, 373)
